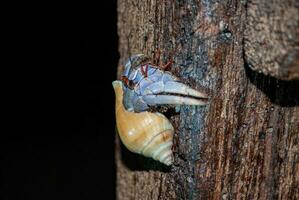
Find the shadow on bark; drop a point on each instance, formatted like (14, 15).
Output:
(280, 92)
(137, 162)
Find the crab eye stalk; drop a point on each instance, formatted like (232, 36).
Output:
(128, 83)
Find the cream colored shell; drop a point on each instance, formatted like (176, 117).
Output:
(146, 133)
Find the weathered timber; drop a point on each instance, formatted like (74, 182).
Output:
(245, 143)
(271, 39)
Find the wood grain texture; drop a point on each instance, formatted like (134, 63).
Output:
(245, 143)
(272, 37)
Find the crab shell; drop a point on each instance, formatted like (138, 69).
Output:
(146, 133)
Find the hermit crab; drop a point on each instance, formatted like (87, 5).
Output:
(143, 86)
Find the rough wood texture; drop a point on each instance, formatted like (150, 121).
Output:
(272, 37)
(245, 144)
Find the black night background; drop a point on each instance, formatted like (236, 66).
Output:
(61, 145)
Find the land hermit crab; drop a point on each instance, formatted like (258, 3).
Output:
(144, 85)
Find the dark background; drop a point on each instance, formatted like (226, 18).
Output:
(60, 144)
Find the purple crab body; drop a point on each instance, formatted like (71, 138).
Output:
(148, 85)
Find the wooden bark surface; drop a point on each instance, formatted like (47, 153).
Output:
(272, 37)
(245, 143)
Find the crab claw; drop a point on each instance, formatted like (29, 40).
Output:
(147, 85)
(170, 91)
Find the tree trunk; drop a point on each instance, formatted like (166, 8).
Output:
(245, 143)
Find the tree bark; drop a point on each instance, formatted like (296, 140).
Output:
(271, 37)
(245, 143)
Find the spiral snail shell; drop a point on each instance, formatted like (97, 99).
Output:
(146, 133)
